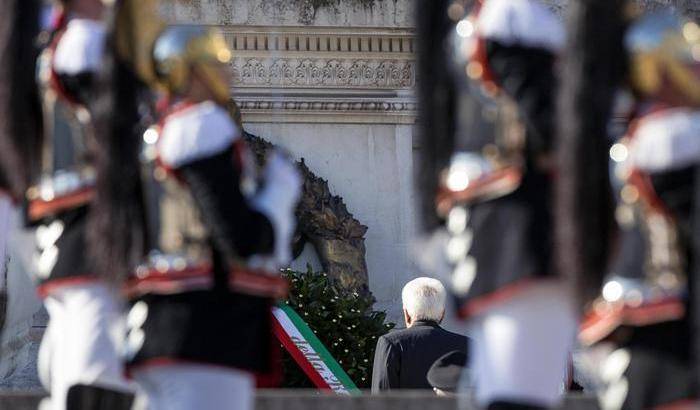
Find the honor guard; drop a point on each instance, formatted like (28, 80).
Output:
(495, 196)
(644, 308)
(79, 358)
(199, 325)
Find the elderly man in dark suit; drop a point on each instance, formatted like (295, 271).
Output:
(402, 358)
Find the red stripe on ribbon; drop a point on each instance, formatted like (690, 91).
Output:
(298, 356)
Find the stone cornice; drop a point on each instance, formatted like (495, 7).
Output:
(259, 39)
(325, 58)
(322, 74)
(324, 109)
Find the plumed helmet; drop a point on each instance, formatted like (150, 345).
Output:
(179, 50)
(664, 49)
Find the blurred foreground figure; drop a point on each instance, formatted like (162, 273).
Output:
(199, 327)
(79, 360)
(20, 125)
(489, 112)
(490, 138)
(644, 311)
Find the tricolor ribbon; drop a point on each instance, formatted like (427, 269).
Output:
(309, 353)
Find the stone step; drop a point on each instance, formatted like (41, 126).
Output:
(314, 400)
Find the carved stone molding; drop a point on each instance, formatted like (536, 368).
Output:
(322, 73)
(321, 58)
(325, 222)
(388, 110)
(408, 106)
(247, 39)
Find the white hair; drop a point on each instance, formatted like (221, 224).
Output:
(424, 299)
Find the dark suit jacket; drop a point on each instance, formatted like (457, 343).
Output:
(403, 357)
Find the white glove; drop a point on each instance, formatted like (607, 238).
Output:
(277, 200)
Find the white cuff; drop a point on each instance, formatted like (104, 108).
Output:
(277, 201)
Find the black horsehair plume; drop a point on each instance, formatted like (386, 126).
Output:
(117, 226)
(437, 96)
(20, 110)
(592, 69)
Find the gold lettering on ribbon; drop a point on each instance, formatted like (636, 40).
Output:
(318, 364)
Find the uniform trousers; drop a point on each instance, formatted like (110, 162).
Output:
(82, 343)
(521, 347)
(182, 386)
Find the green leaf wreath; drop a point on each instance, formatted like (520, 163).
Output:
(343, 320)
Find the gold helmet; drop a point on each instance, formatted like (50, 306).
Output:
(181, 50)
(665, 58)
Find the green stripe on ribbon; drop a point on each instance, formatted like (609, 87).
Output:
(320, 349)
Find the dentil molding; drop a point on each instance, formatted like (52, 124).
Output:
(322, 74)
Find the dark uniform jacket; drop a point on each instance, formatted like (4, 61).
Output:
(403, 357)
